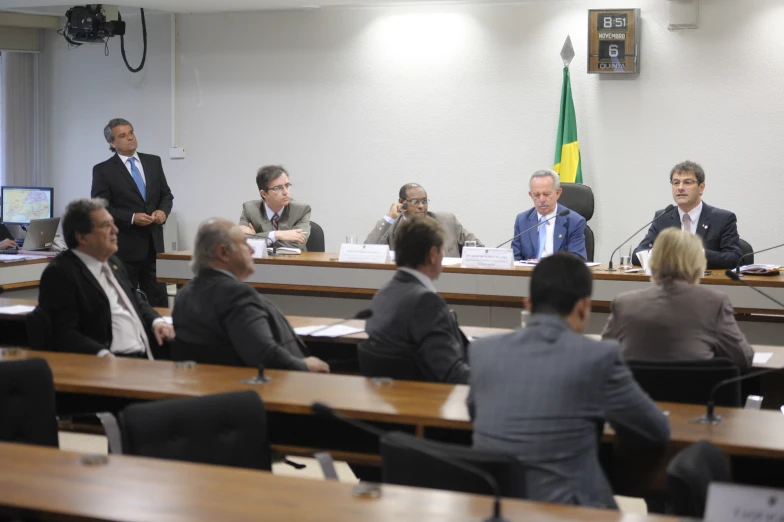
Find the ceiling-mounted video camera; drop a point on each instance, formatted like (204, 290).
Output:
(88, 24)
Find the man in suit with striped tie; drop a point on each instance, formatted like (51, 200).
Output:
(140, 201)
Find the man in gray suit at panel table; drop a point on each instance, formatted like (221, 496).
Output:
(226, 321)
(544, 391)
(275, 217)
(413, 201)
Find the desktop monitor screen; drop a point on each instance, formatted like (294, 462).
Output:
(21, 204)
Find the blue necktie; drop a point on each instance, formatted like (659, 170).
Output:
(542, 235)
(137, 177)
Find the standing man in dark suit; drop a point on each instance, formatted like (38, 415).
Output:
(140, 201)
(562, 234)
(86, 293)
(223, 320)
(410, 320)
(543, 391)
(717, 228)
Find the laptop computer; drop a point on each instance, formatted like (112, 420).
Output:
(40, 233)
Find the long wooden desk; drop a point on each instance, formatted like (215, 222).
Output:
(320, 275)
(419, 407)
(22, 274)
(55, 485)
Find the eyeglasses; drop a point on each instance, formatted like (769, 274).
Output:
(685, 182)
(416, 202)
(281, 188)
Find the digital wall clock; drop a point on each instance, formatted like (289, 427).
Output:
(614, 41)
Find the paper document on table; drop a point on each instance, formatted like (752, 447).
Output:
(450, 261)
(16, 309)
(762, 357)
(591, 264)
(531, 262)
(289, 251)
(12, 258)
(338, 330)
(759, 269)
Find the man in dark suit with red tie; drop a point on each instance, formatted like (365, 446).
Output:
(140, 201)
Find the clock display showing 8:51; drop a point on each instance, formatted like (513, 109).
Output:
(607, 21)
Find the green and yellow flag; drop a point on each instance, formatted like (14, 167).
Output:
(567, 148)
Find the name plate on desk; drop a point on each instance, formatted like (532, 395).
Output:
(729, 502)
(480, 257)
(259, 248)
(363, 253)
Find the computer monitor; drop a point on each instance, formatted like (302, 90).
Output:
(21, 204)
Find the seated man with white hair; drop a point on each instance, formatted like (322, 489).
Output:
(562, 234)
(226, 321)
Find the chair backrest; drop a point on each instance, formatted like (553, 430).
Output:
(690, 473)
(745, 248)
(228, 429)
(40, 334)
(688, 382)
(405, 461)
(27, 403)
(377, 360)
(578, 198)
(316, 239)
(589, 242)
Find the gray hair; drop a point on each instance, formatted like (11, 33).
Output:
(545, 173)
(78, 218)
(211, 234)
(108, 133)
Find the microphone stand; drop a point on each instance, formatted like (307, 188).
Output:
(610, 265)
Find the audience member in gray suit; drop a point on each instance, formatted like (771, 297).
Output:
(544, 392)
(412, 202)
(410, 319)
(225, 321)
(676, 319)
(275, 217)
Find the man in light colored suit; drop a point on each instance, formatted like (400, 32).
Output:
(562, 234)
(275, 217)
(226, 321)
(410, 320)
(544, 392)
(412, 201)
(676, 319)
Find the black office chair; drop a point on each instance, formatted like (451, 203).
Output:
(579, 198)
(690, 473)
(27, 403)
(228, 429)
(688, 382)
(316, 239)
(404, 462)
(377, 360)
(745, 248)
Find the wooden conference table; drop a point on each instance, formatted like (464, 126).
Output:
(314, 274)
(22, 274)
(56, 485)
(426, 409)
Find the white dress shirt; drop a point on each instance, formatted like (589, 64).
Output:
(136, 161)
(421, 277)
(549, 231)
(694, 214)
(128, 335)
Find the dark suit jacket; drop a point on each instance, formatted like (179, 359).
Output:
(78, 307)
(718, 229)
(221, 320)
(568, 236)
(113, 182)
(294, 216)
(543, 394)
(414, 322)
(676, 321)
(383, 233)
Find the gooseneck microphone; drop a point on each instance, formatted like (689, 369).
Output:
(735, 277)
(325, 412)
(710, 416)
(362, 314)
(667, 210)
(564, 212)
(737, 267)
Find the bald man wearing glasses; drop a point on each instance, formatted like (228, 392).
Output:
(413, 201)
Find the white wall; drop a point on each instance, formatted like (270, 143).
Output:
(463, 99)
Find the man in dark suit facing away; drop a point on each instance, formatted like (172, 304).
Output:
(226, 321)
(140, 201)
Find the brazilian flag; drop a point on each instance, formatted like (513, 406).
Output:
(567, 148)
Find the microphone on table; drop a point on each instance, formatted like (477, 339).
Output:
(362, 314)
(737, 267)
(735, 277)
(325, 412)
(667, 210)
(564, 212)
(710, 416)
